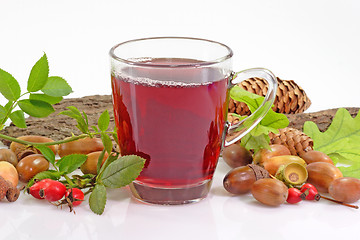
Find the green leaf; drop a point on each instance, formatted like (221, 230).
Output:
(47, 153)
(2, 112)
(86, 119)
(111, 158)
(36, 108)
(82, 122)
(97, 199)
(45, 98)
(255, 142)
(96, 130)
(104, 121)
(38, 75)
(115, 136)
(99, 162)
(272, 121)
(8, 106)
(71, 162)
(56, 87)
(18, 118)
(106, 142)
(344, 131)
(122, 171)
(10, 88)
(341, 141)
(52, 174)
(351, 171)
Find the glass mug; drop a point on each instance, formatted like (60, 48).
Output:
(170, 98)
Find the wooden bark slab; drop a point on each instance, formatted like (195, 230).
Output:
(59, 127)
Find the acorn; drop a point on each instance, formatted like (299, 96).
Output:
(264, 154)
(270, 191)
(345, 189)
(292, 174)
(272, 165)
(240, 180)
(236, 155)
(322, 174)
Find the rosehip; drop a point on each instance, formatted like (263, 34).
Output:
(309, 192)
(34, 190)
(75, 195)
(294, 196)
(53, 192)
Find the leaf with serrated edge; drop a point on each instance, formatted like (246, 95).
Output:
(122, 171)
(10, 87)
(104, 120)
(52, 174)
(106, 142)
(45, 98)
(47, 153)
(99, 162)
(111, 158)
(71, 162)
(97, 199)
(39, 75)
(17, 117)
(56, 87)
(36, 108)
(271, 122)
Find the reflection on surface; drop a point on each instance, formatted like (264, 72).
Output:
(190, 221)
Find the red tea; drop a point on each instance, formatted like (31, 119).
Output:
(175, 124)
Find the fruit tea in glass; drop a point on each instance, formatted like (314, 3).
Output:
(170, 99)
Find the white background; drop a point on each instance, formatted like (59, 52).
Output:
(314, 42)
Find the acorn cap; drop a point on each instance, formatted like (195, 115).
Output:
(259, 172)
(292, 174)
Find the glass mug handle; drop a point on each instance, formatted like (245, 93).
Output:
(233, 134)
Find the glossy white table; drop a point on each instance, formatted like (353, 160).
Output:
(219, 216)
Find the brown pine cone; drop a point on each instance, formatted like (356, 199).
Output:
(290, 98)
(297, 141)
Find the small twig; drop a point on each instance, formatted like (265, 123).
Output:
(336, 201)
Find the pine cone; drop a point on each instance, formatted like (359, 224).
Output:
(297, 141)
(290, 98)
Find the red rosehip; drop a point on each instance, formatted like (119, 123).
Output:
(309, 192)
(34, 190)
(75, 195)
(53, 192)
(294, 195)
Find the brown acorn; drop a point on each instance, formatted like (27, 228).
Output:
(240, 180)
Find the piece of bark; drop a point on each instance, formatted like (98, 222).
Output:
(322, 118)
(58, 127)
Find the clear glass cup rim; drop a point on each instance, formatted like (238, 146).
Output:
(185, 65)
